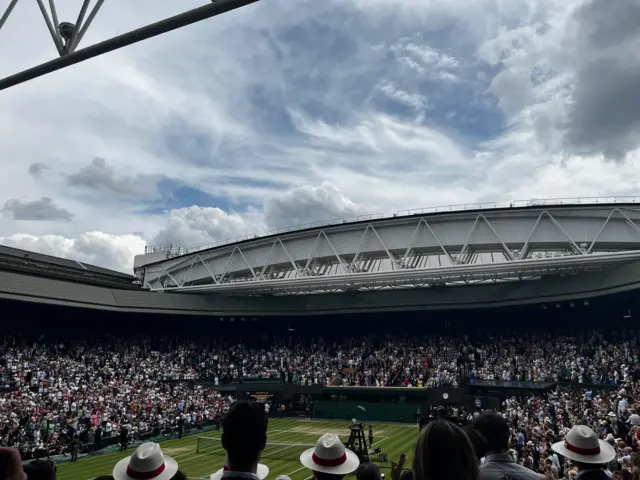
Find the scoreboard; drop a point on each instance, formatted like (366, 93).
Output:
(264, 396)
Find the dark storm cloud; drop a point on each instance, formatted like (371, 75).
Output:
(38, 210)
(36, 169)
(604, 116)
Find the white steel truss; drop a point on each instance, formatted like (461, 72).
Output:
(427, 251)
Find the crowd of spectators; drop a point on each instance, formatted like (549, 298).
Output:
(537, 422)
(518, 443)
(589, 358)
(55, 393)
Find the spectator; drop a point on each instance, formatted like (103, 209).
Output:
(41, 470)
(148, 463)
(444, 452)
(368, 471)
(10, 462)
(499, 464)
(244, 436)
(478, 441)
(329, 460)
(586, 452)
(261, 471)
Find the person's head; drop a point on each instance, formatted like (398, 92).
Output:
(40, 470)
(244, 435)
(148, 461)
(582, 447)
(495, 430)
(329, 459)
(368, 471)
(443, 452)
(478, 441)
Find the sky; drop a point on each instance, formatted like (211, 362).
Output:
(288, 112)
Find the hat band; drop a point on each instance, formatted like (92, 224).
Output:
(145, 475)
(582, 451)
(329, 462)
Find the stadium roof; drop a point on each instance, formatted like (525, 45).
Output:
(63, 262)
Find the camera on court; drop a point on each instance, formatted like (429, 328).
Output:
(66, 30)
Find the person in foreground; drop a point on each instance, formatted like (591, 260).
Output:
(444, 452)
(329, 460)
(11, 464)
(587, 453)
(147, 463)
(499, 465)
(244, 436)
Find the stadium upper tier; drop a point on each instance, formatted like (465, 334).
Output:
(417, 248)
(23, 261)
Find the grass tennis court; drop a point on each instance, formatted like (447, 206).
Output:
(281, 458)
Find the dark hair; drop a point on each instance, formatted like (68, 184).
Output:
(480, 446)
(438, 443)
(40, 470)
(494, 429)
(104, 477)
(368, 471)
(244, 434)
(179, 475)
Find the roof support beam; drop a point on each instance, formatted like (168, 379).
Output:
(217, 7)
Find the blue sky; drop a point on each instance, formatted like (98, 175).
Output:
(293, 111)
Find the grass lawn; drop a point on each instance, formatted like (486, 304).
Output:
(281, 459)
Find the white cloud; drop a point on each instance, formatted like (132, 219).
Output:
(197, 226)
(307, 204)
(97, 248)
(285, 113)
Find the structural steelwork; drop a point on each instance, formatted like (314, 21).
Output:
(512, 243)
(66, 36)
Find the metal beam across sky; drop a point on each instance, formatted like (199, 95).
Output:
(66, 36)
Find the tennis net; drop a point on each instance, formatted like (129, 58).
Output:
(274, 450)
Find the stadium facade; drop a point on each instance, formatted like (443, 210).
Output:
(548, 254)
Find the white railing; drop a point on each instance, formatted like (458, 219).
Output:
(175, 250)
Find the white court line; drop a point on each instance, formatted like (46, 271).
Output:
(295, 471)
(382, 439)
(216, 450)
(285, 448)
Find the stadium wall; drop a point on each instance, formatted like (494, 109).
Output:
(23, 287)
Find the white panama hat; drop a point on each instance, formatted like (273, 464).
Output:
(582, 445)
(147, 463)
(261, 472)
(330, 456)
